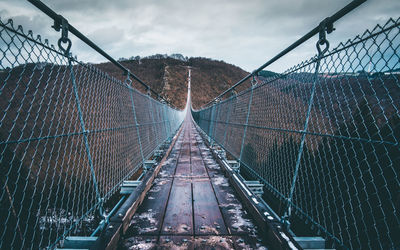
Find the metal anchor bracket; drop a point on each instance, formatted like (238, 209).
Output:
(61, 23)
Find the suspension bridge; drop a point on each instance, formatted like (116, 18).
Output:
(304, 159)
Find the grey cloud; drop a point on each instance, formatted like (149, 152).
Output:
(245, 33)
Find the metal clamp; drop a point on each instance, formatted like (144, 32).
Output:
(128, 80)
(254, 81)
(61, 23)
(233, 93)
(325, 27)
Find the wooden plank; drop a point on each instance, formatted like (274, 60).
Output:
(176, 242)
(183, 170)
(183, 165)
(207, 216)
(198, 168)
(237, 221)
(185, 156)
(248, 242)
(169, 166)
(139, 242)
(178, 218)
(214, 242)
(212, 167)
(148, 218)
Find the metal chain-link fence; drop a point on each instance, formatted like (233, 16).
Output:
(325, 140)
(69, 136)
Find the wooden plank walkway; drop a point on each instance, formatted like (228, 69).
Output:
(191, 205)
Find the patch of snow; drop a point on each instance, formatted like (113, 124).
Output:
(147, 216)
(141, 245)
(155, 189)
(237, 214)
(183, 228)
(175, 246)
(220, 181)
(231, 197)
(216, 242)
(163, 174)
(208, 229)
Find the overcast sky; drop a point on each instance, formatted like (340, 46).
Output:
(242, 32)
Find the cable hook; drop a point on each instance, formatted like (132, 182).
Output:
(128, 80)
(233, 93)
(61, 23)
(325, 27)
(254, 81)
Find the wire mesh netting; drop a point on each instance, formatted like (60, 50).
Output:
(324, 139)
(69, 136)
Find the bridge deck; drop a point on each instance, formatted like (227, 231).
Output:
(191, 204)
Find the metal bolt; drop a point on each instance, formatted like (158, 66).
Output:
(120, 215)
(110, 227)
(148, 240)
(184, 240)
(218, 227)
(167, 240)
